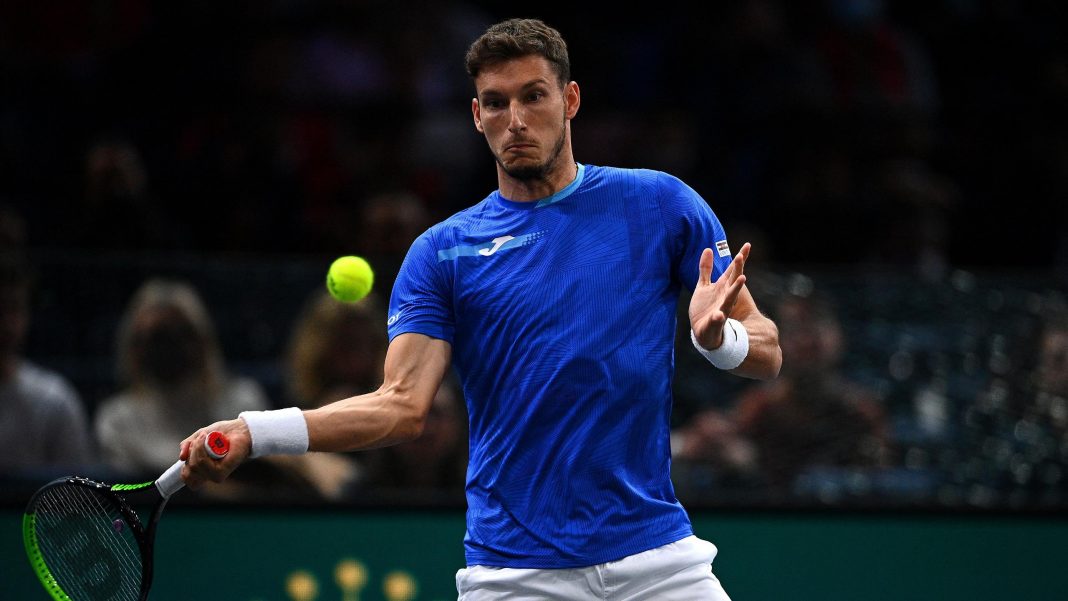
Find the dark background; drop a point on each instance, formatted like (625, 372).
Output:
(841, 133)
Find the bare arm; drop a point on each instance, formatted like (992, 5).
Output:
(714, 302)
(414, 368)
(765, 356)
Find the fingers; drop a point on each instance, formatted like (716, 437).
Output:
(735, 269)
(737, 266)
(200, 466)
(731, 296)
(704, 275)
(742, 257)
(193, 473)
(744, 251)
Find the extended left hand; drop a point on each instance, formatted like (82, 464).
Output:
(712, 302)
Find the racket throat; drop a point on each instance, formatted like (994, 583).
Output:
(147, 545)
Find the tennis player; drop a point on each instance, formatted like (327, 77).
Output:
(554, 297)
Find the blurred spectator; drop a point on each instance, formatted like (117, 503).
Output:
(388, 224)
(811, 416)
(915, 209)
(118, 211)
(433, 465)
(43, 424)
(336, 351)
(173, 376)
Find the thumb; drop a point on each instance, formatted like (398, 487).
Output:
(704, 268)
(183, 451)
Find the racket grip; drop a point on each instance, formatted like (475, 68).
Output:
(216, 445)
(171, 480)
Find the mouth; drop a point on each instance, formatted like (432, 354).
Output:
(518, 146)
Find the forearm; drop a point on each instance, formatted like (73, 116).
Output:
(415, 366)
(765, 356)
(382, 418)
(396, 412)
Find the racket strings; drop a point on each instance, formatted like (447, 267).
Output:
(87, 545)
(131, 549)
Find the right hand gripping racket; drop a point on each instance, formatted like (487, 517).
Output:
(87, 541)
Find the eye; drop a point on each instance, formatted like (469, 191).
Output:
(535, 96)
(493, 103)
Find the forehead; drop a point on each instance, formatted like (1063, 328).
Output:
(515, 73)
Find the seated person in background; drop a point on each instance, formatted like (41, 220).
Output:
(336, 346)
(336, 350)
(173, 376)
(43, 424)
(812, 415)
(389, 223)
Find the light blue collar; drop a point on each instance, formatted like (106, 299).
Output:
(562, 194)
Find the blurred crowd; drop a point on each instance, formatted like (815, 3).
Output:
(171, 376)
(175, 178)
(894, 391)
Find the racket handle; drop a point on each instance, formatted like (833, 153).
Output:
(171, 480)
(216, 445)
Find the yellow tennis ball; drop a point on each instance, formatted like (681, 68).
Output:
(349, 279)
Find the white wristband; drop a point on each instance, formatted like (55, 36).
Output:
(732, 352)
(279, 432)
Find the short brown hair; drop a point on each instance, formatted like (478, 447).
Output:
(516, 38)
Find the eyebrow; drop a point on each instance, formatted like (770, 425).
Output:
(530, 84)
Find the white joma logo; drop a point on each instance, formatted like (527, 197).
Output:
(497, 243)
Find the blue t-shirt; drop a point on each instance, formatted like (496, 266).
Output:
(561, 315)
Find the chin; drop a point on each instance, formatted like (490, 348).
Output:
(523, 169)
(526, 172)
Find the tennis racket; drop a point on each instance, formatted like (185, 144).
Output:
(85, 540)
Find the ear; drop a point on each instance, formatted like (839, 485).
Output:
(477, 115)
(572, 99)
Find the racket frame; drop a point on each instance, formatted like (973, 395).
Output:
(162, 488)
(144, 535)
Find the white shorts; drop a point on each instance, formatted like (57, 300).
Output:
(678, 571)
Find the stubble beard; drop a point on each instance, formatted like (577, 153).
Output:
(527, 173)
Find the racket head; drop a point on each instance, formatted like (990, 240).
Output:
(86, 543)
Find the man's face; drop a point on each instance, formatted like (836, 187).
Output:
(524, 113)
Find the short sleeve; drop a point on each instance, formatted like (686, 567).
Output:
(421, 301)
(692, 226)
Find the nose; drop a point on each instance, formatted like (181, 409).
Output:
(516, 122)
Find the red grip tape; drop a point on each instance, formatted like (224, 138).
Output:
(217, 445)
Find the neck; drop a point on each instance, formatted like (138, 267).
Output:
(562, 172)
